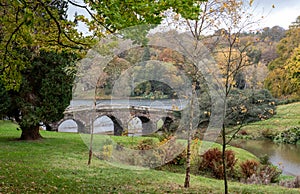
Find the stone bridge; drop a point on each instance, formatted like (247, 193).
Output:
(121, 115)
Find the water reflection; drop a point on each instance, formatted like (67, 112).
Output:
(135, 127)
(68, 126)
(103, 125)
(285, 156)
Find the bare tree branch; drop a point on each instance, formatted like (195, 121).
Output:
(10, 38)
(60, 31)
(91, 14)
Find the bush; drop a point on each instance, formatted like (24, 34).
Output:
(287, 101)
(144, 154)
(249, 167)
(265, 175)
(212, 162)
(294, 183)
(271, 173)
(245, 106)
(106, 150)
(265, 160)
(291, 136)
(243, 132)
(172, 151)
(146, 144)
(268, 133)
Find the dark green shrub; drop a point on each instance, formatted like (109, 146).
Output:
(245, 106)
(268, 133)
(287, 101)
(265, 160)
(291, 136)
(5, 101)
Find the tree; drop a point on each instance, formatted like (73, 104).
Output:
(5, 101)
(283, 81)
(45, 92)
(276, 33)
(279, 79)
(238, 18)
(35, 40)
(28, 29)
(229, 19)
(295, 24)
(292, 68)
(32, 25)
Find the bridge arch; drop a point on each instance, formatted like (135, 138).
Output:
(117, 123)
(103, 124)
(168, 124)
(148, 126)
(75, 125)
(134, 126)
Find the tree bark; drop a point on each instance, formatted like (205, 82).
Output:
(188, 155)
(224, 159)
(32, 133)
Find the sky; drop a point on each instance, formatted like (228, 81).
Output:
(284, 13)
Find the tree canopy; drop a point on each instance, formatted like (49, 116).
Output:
(283, 79)
(31, 31)
(32, 25)
(44, 24)
(44, 93)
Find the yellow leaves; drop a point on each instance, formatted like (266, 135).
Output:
(271, 111)
(174, 107)
(207, 113)
(176, 17)
(106, 152)
(243, 109)
(272, 103)
(225, 5)
(251, 2)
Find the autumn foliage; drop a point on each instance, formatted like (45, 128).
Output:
(212, 162)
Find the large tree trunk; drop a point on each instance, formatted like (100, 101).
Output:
(32, 133)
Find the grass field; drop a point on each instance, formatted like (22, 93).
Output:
(287, 116)
(58, 164)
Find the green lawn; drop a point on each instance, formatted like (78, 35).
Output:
(58, 164)
(287, 116)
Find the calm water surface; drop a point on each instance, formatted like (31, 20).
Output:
(285, 156)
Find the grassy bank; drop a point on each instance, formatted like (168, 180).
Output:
(286, 116)
(58, 164)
